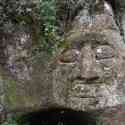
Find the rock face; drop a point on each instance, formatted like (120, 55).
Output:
(24, 83)
(87, 75)
(21, 75)
(112, 116)
(90, 73)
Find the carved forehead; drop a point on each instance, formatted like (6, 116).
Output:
(103, 29)
(109, 37)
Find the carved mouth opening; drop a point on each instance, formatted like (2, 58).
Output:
(88, 81)
(86, 97)
(60, 117)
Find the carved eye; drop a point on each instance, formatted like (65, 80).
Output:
(70, 56)
(104, 52)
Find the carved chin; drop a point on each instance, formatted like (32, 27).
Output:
(95, 98)
(86, 104)
(86, 97)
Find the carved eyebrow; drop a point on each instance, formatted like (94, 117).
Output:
(101, 42)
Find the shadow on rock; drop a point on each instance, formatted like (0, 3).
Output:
(60, 117)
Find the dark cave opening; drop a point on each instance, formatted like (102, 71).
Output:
(60, 117)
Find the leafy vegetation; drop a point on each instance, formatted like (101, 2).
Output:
(16, 119)
(10, 122)
(48, 29)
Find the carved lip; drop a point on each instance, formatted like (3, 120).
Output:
(94, 80)
(80, 90)
(83, 97)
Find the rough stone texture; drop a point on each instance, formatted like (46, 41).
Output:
(22, 77)
(90, 74)
(24, 83)
(112, 116)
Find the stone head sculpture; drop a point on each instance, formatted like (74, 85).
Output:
(90, 73)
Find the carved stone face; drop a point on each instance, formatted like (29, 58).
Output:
(90, 74)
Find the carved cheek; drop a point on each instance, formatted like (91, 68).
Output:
(106, 66)
(120, 68)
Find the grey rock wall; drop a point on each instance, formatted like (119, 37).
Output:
(29, 83)
(23, 76)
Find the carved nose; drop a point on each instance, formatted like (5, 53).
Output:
(88, 68)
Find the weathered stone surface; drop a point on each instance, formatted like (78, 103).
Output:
(24, 83)
(112, 116)
(23, 78)
(88, 75)
(93, 77)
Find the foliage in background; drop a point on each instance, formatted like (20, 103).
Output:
(16, 119)
(49, 38)
(10, 122)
